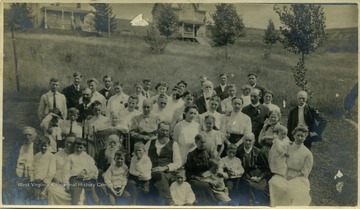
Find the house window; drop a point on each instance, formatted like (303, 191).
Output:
(57, 4)
(78, 5)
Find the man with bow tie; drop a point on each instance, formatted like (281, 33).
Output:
(257, 113)
(107, 91)
(73, 92)
(51, 100)
(305, 115)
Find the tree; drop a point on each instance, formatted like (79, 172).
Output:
(165, 19)
(270, 38)
(155, 40)
(304, 28)
(271, 35)
(19, 16)
(104, 18)
(303, 32)
(227, 25)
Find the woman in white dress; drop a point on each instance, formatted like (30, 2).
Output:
(294, 189)
(185, 132)
(57, 194)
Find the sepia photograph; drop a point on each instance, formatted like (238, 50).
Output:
(158, 104)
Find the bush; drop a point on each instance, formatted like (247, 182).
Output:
(155, 40)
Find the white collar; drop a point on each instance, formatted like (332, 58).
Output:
(247, 151)
(257, 105)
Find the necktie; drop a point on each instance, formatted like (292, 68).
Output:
(54, 100)
(147, 95)
(71, 124)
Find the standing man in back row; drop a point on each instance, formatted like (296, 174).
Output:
(108, 90)
(51, 100)
(74, 92)
(252, 78)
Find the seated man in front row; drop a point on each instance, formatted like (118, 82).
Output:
(165, 158)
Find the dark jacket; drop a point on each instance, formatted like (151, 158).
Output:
(315, 122)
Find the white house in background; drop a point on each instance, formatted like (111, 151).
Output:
(139, 21)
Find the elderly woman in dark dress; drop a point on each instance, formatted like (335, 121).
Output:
(254, 183)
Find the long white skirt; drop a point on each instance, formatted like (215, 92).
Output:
(293, 192)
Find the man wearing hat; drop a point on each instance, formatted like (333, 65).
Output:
(73, 92)
(52, 99)
(252, 78)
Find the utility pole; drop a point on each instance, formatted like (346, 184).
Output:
(15, 59)
(109, 21)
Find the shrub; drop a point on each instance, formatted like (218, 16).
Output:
(155, 40)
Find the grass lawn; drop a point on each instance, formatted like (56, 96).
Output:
(332, 71)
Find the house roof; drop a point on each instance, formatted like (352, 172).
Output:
(66, 9)
(195, 22)
(198, 7)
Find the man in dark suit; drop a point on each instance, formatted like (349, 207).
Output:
(257, 113)
(252, 77)
(73, 92)
(107, 91)
(305, 115)
(222, 89)
(85, 108)
(203, 101)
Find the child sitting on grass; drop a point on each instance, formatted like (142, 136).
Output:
(81, 174)
(278, 151)
(181, 191)
(115, 178)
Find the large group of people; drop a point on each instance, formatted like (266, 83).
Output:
(212, 146)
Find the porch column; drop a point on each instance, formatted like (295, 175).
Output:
(62, 20)
(182, 31)
(193, 31)
(45, 20)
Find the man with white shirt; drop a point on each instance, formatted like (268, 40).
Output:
(92, 85)
(257, 113)
(107, 91)
(117, 102)
(222, 89)
(51, 100)
(165, 158)
(305, 115)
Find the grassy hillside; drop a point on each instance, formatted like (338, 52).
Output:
(42, 56)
